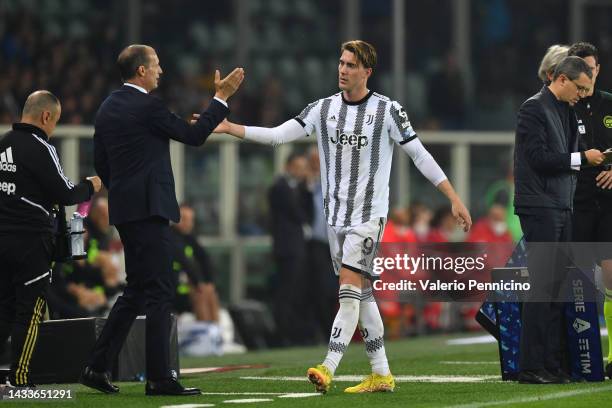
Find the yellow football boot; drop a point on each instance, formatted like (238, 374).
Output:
(374, 383)
(320, 377)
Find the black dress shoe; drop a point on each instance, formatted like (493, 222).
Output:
(537, 377)
(98, 381)
(562, 376)
(169, 387)
(608, 370)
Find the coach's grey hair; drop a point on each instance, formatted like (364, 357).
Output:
(553, 56)
(572, 67)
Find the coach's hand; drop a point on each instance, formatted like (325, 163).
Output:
(226, 87)
(97, 183)
(594, 157)
(461, 214)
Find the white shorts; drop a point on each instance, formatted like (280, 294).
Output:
(355, 247)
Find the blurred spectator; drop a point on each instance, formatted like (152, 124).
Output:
(419, 219)
(492, 228)
(290, 206)
(398, 227)
(443, 227)
(319, 281)
(447, 95)
(196, 290)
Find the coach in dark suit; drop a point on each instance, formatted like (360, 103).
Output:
(545, 160)
(132, 157)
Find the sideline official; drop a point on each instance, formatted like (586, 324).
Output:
(132, 156)
(31, 182)
(546, 151)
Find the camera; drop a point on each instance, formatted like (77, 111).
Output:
(69, 238)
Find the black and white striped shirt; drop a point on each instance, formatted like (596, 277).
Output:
(356, 142)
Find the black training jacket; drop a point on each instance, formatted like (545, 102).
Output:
(32, 181)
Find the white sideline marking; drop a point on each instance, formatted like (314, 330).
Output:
(469, 362)
(545, 397)
(247, 400)
(188, 406)
(487, 338)
(198, 370)
(300, 395)
(398, 378)
(280, 394)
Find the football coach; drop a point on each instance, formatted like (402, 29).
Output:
(545, 159)
(132, 157)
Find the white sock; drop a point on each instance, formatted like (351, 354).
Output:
(344, 325)
(372, 331)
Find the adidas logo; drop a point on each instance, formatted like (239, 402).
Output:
(332, 118)
(6, 161)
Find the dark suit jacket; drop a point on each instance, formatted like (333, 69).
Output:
(542, 173)
(290, 209)
(132, 154)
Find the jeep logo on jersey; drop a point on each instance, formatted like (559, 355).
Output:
(349, 139)
(8, 188)
(6, 161)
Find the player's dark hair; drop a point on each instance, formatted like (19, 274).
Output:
(131, 58)
(583, 50)
(293, 156)
(365, 52)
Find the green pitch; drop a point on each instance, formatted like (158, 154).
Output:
(431, 373)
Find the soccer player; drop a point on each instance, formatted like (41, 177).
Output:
(356, 131)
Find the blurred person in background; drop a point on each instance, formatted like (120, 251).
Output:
(443, 227)
(554, 55)
(357, 130)
(493, 227)
(592, 216)
(291, 217)
(420, 219)
(320, 283)
(196, 291)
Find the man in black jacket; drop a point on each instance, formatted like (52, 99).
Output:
(31, 182)
(290, 214)
(132, 156)
(592, 218)
(544, 158)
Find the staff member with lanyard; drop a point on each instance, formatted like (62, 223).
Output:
(31, 182)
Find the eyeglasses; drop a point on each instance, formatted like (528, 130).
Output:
(581, 89)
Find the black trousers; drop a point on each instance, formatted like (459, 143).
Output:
(25, 263)
(542, 328)
(150, 290)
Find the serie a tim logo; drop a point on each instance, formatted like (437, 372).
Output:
(349, 139)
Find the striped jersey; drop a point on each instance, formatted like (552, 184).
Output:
(356, 142)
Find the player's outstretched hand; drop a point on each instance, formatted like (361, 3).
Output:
(97, 183)
(226, 87)
(223, 127)
(462, 215)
